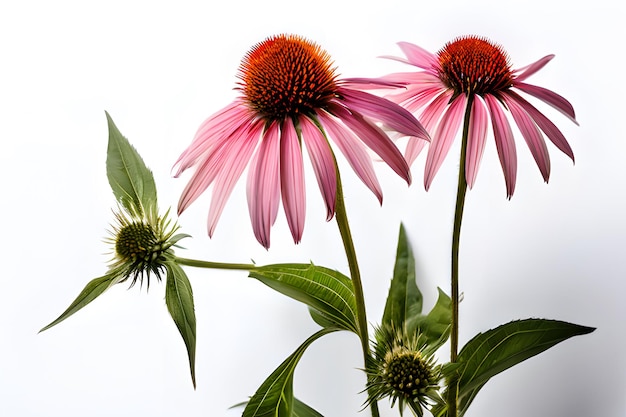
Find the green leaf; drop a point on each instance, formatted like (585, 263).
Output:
(179, 301)
(300, 409)
(435, 326)
(131, 181)
(91, 291)
(274, 398)
(328, 292)
(496, 350)
(404, 299)
(404, 302)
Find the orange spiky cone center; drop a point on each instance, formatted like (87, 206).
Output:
(473, 65)
(285, 76)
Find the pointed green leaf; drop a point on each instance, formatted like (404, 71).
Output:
(327, 291)
(404, 299)
(435, 326)
(91, 291)
(496, 350)
(131, 181)
(300, 409)
(321, 319)
(274, 398)
(179, 301)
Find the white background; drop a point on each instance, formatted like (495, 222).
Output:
(553, 251)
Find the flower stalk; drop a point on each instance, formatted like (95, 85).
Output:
(454, 281)
(214, 265)
(355, 275)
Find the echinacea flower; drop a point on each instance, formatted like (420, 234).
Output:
(473, 71)
(291, 98)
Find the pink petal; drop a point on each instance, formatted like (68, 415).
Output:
(412, 78)
(528, 70)
(419, 56)
(476, 140)
(443, 138)
(211, 132)
(532, 135)
(375, 139)
(292, 179)
(415, 95)
(430, 117)
(370, 83)
(354, 151)
(413, 149)
(551, 131)
(263, 188)
(385, 111)
(432, 113)
(211, 164)
(234, 162)
(323, 163)
(549, 97)
(504, 143)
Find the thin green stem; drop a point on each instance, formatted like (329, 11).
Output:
(355, 275)
(214, 265)
(454, 281)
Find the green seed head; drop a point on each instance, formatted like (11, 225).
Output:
(402, 369)
(135, 241)
(141, 246)
(407, 372)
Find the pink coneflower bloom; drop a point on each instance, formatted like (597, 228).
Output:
(474, 71)
(291, 97)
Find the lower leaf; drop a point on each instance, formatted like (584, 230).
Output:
(91, 291)
(179, 301)
(274, 398)
(497, 350)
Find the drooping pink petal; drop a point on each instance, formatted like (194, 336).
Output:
(528, 70)
(323, 163)
(263, 187)
(415, 96)
(385, 111)
(477, 137)
(200, 180)
(443, 138)
(413, 148)
(430, 116)
(354, 151)
(419, 56)
(504, 143)
(211, 164)
(292, 179)
(213, 130)
(235, 161)
(532, 135)
(432, 113)
(551, 131)
(549, 97)
(415, 79)
(375, 139)
(370, 83)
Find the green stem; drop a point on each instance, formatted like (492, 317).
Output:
(355, 275)
(456, 237)
(214, 265)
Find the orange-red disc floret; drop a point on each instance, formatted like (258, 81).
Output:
(286, 75)
(473, 65)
